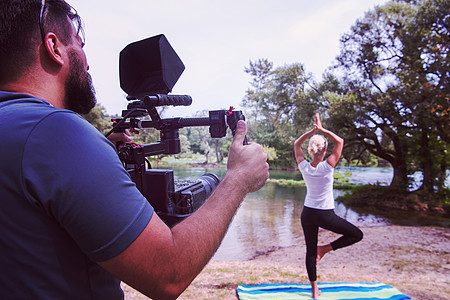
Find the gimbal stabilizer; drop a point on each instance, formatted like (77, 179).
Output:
(148, 71)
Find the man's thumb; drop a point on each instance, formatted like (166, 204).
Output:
(241, 131)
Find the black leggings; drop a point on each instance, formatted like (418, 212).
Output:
(312, 219)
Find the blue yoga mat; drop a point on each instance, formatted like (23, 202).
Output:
(341, 290)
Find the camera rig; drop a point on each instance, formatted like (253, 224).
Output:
(148, 71)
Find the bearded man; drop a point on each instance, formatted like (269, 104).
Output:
(73, 224)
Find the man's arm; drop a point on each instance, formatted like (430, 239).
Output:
(162, 262)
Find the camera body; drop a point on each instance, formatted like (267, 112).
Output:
(148, 71)
(173, 200)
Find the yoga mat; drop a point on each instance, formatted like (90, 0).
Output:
(341, 290)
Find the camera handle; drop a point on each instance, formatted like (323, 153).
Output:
(164, 100)
(233, 116)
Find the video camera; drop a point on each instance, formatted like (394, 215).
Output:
(148, 71)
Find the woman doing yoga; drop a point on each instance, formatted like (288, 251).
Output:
(318, 210)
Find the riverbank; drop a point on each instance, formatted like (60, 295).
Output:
(415, 260)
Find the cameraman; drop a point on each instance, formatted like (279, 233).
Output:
(72, 223)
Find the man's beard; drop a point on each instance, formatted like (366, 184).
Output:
(80, 93)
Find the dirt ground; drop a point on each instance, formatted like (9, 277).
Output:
(415, 260)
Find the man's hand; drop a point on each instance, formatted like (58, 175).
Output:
(120, 138)
(247, 164)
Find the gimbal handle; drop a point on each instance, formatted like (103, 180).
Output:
(163, 99)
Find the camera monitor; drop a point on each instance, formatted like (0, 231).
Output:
(150, 66)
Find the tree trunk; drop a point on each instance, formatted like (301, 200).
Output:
(218, 156)
(400, 179)
(427, 167)
(207, 155)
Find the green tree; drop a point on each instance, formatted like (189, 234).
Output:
(200, 141)
(185, 151)
(279, 107)
(395, 68)
(99, 119)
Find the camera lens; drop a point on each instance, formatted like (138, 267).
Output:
(209, 181)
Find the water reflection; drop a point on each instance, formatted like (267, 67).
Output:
(262, 223)
(359, 219)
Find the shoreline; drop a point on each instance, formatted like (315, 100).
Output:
(415, 260)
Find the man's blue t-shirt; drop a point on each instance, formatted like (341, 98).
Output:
(66, 202)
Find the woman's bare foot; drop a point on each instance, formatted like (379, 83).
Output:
(321, 251)
(316, 293)
(315, 290)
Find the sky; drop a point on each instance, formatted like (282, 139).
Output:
(215, 40)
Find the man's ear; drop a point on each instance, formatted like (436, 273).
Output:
(54, 48)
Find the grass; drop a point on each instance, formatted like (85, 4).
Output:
(341, 182)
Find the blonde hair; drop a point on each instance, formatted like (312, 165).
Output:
(317, 144)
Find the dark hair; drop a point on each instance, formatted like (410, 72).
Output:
(20, 33)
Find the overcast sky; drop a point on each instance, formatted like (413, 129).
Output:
(215, 40)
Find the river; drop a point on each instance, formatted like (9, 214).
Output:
(270, 217)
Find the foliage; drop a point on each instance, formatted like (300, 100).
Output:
(98, 118)
(391, 198)
(279, 107)
(271, 152)
(395, 67)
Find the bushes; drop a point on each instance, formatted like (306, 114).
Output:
(387, 198)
